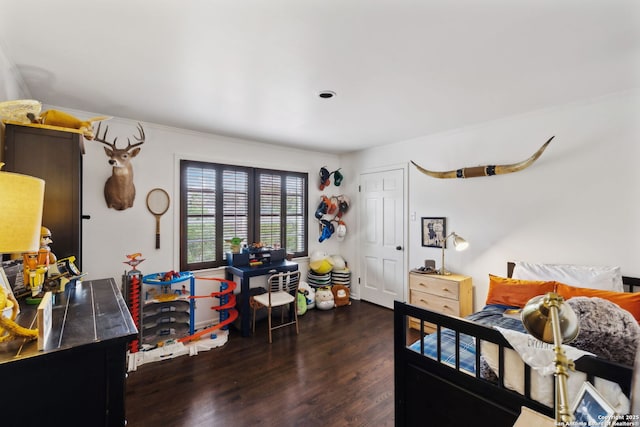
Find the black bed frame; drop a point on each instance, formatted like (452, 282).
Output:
(428, 392)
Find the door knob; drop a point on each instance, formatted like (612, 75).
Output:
(398, 248)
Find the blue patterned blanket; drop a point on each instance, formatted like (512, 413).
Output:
(490, 315)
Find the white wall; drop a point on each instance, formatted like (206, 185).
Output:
(111, 234)
(11, 85)
(579, 203)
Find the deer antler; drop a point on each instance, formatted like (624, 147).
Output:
(104, 137)
(140, 139)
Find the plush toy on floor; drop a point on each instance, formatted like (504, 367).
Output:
(302, 302)
(340, 295)
(321, 262)
(324, 298)
(309, 293)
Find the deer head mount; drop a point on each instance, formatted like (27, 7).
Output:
(488, 170)
(119, 191)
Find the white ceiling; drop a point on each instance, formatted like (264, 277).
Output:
(253, 68)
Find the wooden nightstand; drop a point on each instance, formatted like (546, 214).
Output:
(452, 295)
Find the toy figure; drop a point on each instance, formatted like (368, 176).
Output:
(134, 260)
(169, 276)
(36, 266)
(45, 241)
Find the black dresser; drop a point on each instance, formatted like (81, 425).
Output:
(78, 379)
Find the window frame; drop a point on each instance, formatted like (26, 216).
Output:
(253, 209)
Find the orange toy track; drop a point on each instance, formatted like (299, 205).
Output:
(226, 307)
(134, 295)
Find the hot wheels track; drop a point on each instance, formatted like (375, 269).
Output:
(226, 308)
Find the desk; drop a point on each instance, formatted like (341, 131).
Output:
(245, 273)
(79, 377)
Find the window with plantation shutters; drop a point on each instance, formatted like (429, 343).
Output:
(198, 215)
(295, 218)
(235, 206)
(219, 202)
(270, 197)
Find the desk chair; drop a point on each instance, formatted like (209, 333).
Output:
(282, 290)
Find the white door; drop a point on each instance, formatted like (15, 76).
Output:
(382, 275)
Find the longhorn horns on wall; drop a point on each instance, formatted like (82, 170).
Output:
(488, 170)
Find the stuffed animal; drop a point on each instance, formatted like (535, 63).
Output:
(324, 298)
(340, 295)
(339, 263)
(321, 262)
(309, 293)
(302, 302)
(66, 120)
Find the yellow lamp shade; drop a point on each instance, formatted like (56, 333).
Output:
(21, 200)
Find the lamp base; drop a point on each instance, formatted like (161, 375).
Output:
(443, 272)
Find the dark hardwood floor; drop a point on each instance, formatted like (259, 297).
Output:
(337, 372)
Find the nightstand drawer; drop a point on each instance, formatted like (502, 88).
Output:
(435, 303)
(450, 295)
(435, 285)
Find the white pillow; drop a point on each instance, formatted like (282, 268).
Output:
(584, 276)
(542, 386)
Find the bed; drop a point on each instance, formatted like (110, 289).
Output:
(463, 373)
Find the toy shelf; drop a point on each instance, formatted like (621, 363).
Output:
(170, 312)
(158, 278)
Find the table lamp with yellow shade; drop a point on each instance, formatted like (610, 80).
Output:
(21, 202)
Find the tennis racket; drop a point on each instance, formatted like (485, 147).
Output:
(158, 204)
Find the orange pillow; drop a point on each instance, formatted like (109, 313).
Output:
(629, 301)
(516, 292)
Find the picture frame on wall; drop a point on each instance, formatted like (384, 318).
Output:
(591, 409)
(434, 231)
